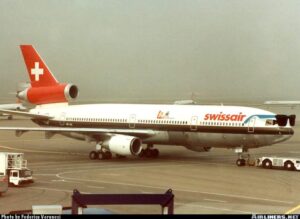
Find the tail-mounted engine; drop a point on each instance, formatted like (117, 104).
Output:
(282, 120)
(49, 94)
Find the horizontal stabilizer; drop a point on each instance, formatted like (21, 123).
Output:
(25, 114)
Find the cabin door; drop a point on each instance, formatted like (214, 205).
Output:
(132, 120)
(194, 121)
(251, 125)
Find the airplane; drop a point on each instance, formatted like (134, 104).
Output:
(11, 106)
(283, 103)
(121, 129)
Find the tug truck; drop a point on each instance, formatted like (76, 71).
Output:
(15, 167)
(287, 163)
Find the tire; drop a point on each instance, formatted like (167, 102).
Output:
(142, 153)
(267, 164)
(155, 153)
(240, 162)
(100, 156)
(288, 165)
(148, 153)
(93, 155)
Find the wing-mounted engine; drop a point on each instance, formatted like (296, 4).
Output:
(124, 145)
(49, 94)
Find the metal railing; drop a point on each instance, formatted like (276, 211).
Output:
(165, 200)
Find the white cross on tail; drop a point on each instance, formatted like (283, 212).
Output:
(37, 71)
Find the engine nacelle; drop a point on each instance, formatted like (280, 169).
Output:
(198, 148)
(124, 145)
(59, 93)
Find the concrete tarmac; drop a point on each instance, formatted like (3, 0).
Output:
(203, 183)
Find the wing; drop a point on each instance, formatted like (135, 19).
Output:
(100, 132)
(87, 131)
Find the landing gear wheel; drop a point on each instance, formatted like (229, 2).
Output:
(101, 155)
(240, 162)
(288, 165)
(142, 153)
(155, 153)
(93, 155)
(149, 153)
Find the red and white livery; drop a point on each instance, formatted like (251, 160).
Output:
(123, 128)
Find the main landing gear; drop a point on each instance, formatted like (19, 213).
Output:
(149, 152)
(100, 153)
(243, 157)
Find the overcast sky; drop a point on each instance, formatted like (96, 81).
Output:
(160, 50)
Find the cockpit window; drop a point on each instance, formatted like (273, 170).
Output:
(270, 122)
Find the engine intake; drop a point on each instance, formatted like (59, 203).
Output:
(71, 92)
(124, 145)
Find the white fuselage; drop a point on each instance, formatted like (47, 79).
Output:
(193, 126)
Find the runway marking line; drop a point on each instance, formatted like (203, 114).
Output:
(59, 175)
(97, 187)
(293, 210)
(214, 200)
(39, 151)
(57, 190)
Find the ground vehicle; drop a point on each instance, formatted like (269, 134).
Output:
(287, 163)
(15, 168)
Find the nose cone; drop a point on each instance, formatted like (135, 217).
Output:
(284, 135)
